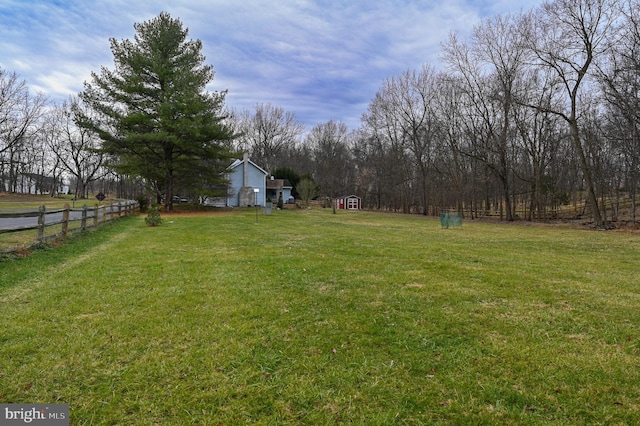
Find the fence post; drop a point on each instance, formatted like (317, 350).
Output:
(119, 210)
(83, 224)
(41, 220)
(111, 212)
(95, 216)
(65, 221)
(104, 213)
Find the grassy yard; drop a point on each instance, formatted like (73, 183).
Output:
(16, 203)
(313, 318)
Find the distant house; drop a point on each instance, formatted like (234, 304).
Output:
(277, 188)
(245, 177)
(348, 202)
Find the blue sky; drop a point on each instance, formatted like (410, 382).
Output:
(323, 60)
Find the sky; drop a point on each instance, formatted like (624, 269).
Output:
(320, 59)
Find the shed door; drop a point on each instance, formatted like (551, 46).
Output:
(352, 203)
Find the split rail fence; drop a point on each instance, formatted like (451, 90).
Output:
(53, 224)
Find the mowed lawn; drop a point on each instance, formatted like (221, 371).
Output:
(313, 318)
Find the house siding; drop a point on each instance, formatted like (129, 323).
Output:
(256, 178)
(275, 187)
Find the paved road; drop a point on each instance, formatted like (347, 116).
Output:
(50, 218)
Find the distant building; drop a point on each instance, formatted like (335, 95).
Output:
(348, 202)
(277, 188)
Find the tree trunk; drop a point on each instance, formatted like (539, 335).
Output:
(633, 198)
(586, 170)
(533, 201)
(508, 206)
(168, 193)
(80, 187)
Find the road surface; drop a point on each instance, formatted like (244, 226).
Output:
(50, 218)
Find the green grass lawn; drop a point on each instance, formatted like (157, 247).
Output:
(17, 203)
(312, 318)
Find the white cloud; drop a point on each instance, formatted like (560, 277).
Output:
(320, 59)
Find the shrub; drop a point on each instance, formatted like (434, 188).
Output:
(153, 216)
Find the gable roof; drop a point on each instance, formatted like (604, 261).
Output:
(237, 163)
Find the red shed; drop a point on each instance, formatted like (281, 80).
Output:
(349, 202)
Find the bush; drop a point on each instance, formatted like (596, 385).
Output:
(153, 216)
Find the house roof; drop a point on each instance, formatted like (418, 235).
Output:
(237, 163)
(278, 184)
(349, 196)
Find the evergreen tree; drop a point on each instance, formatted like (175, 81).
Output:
(291, 176)
(153, 114)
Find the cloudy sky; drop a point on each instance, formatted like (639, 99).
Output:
(321, 59)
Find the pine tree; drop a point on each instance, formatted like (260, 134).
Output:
(153, 114)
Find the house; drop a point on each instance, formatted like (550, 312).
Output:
(277, 188)
(348, 202)
(245, 177)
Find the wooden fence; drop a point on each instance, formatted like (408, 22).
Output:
(60, 222)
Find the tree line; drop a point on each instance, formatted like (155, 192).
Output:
(533, 111)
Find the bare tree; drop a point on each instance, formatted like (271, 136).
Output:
(620, 78)
(490, 68)
(567, 36)
(74, 147)
(377, 170)
(387, 143)
(20, 112)
(267, 133)
(541, 137)
(410, 97)
(452, 168)
(329, 144)
(307, 189)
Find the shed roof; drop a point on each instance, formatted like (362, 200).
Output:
(278, 184)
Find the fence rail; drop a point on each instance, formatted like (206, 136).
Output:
(62, 221)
